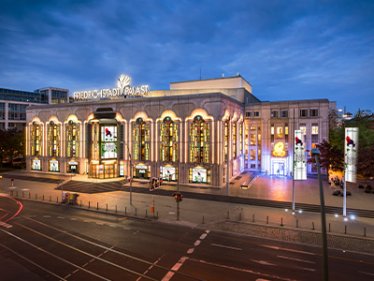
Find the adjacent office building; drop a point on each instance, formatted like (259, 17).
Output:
(13, 104)
(201, 132)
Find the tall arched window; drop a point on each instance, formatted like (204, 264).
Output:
(141, 140)
(36, 139)
(72, 139)
(53, 139)
(168, 140)
(226, 138)
(199, 140)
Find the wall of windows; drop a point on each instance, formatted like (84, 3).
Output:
(199, 140)
(168, 140)
(53, 139)
(141, 136)
(72, 139)
(17, 111)
(36, 139)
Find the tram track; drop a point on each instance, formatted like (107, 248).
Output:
(89, 258)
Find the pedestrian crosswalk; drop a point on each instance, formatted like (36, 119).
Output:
(90, 187)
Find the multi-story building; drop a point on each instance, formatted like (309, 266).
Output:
(270, 127)
(13, 104)
(194, 133)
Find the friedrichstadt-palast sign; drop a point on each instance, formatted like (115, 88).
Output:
(124, 89)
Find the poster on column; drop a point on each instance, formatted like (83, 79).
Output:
(299, 168)
(350, 154)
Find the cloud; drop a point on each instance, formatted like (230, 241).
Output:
(282, 48)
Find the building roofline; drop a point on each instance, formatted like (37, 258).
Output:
(209, 79)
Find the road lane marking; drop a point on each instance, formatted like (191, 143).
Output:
(53, 255)
(174, 269)
(366, 273)
(150, 267)
(226, 247)
(287, 249)
(263, 262)
(295, 259)
(32, 262)
(190, 251)
(87, 263)
(46, 216)
(4, 224)
(202, 237)
(95, 244)
(83, 252)
(246, 270)
(197, 243)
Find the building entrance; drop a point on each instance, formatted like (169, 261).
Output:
(279, 168)
(103, 171)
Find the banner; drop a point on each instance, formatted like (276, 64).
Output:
(350, 154)
(299, 162)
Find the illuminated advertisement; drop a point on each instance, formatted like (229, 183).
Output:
(108, 142)
(350, 154)
(168, 173)
(279, 150)
(199, 175)
(36, 165)
(299, 162)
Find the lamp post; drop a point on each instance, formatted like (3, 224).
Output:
(316, 153)
(130, 159)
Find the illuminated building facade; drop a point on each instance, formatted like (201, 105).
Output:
(189, 134)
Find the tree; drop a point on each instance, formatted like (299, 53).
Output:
(11, 144)
(331, 156)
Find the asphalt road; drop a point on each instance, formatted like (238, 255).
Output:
(49, 242)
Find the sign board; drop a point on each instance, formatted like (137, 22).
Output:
(299, 161)
(124, 89)
(350, 154)
(199, 174)
(36, 165)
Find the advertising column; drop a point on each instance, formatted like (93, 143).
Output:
(299, 162)
(350, 160)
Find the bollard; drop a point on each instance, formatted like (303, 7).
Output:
(23, 194)
(157, 215)
(136, 212)
(43, 197)
(89, 204)
(125, 211)
(146, 213)
(312, 225)
(204, 220)
(29, 195)
(228, 214)
(36, 196)
(364, 231)
(116, 209)
(106, 207)
(297, 223)
(57, 199)
(281, 222)
(345, 229)
(240, 215)
(329, 227)
(50, 198)
(253, 217)
(97, 205)
(267, 219)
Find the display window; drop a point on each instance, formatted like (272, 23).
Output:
(108, 142)
(168, 173)
(53, 166)
(36, 165)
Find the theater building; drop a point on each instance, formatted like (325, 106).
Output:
(189, 134)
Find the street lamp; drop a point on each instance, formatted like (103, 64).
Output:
(316, 153)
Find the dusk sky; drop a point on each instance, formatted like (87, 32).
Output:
(286, 49)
